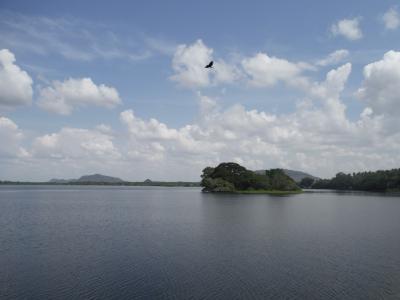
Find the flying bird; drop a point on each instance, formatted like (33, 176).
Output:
(210, 65)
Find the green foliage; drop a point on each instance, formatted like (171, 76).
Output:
(280, 181)
(231, 177)
(364, 181)
(207, 172)
(217, 185)
(306, 182)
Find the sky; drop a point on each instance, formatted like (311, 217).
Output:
(120, 88)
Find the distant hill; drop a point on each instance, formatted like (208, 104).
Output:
(298, 175)
(295, 175)
(99, 178)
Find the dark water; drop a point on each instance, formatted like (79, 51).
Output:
(177, 243)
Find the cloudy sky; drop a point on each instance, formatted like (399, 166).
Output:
(120, 88)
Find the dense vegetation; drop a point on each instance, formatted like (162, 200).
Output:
(388, 180)
(307, 182)
(232, 177)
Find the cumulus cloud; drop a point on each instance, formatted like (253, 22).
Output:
(63, 97)
(151, 129)
(77, 144)
(267, 71)
(66, 153)
(260, 70)
(348, 28)
(333, 58)
(225, 72)
(391, 19)
(11, 137)
(15, 84)
(333, 84)
(380, 88)
(188, 64)
(106, 129)
(317, 137)
(157, 136)
(207, 105)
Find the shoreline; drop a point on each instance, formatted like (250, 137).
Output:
(273, 192)
(258, 192)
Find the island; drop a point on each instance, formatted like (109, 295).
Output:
(230, 177)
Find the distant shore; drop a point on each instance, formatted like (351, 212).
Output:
(273, 192)
(260, 192)
(125, 183)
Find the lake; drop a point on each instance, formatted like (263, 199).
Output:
(86, 242)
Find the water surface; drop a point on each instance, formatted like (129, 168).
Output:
(71, 242)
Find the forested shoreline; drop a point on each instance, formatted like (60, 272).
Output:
(380, 181)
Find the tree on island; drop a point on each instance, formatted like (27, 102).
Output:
(232, 177)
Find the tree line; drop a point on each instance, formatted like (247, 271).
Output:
(382, 180)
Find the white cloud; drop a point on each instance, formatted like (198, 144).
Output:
(260, 70)
(151, 129)
(207, 106)
(266, 71)
(333, 58)
(317, 137)
(321, 135)
(153, 139)
(67, 153)
(63, 97)
(103, 128)
(391, 19)
(333, 84)
(11, 137)
(380, 89)
(76, 144)
(188, 64)
(15, 84)
(225, 73)
(348, 28)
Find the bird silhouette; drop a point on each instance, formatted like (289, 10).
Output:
(210, 65)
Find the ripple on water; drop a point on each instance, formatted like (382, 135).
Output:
(111, 243)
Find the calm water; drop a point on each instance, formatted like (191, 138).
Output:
(178, 243)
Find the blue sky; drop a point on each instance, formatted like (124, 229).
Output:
(272, 58)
